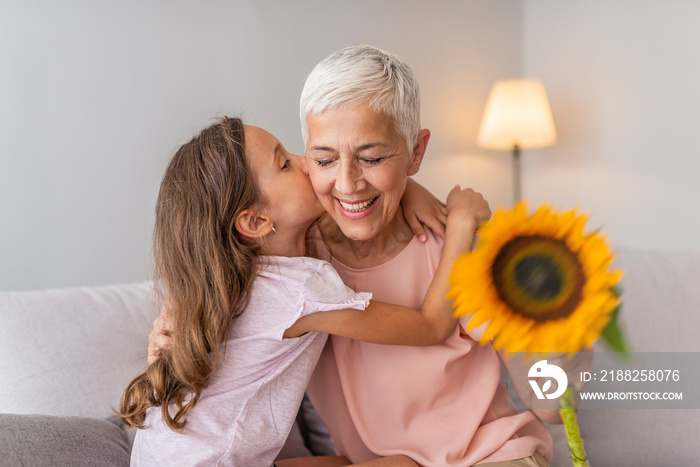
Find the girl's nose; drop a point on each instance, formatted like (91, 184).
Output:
(304, 166)
(301, 160)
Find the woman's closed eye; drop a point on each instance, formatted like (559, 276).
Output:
(364, 160)
(372, 160)
(323, 162)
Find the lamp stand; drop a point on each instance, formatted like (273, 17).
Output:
(516, 174)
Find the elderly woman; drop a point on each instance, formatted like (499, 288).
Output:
(440, 405)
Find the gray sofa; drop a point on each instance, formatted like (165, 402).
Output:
(67, 354)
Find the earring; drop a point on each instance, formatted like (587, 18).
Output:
(415, 169)
(273, 230)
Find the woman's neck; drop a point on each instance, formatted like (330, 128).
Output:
(362, 254)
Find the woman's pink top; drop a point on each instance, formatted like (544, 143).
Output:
(440, 405)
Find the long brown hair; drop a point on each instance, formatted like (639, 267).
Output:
(202, 264)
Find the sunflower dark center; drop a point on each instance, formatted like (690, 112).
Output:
(538, 277)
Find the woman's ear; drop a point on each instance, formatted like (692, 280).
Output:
(250, 224)
(419, 150)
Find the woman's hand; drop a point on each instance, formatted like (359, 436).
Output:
(160, 337)
(421, 207)
(467, 206)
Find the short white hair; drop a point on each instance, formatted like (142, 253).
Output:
(359, 75)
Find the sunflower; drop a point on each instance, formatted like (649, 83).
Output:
(539, 281)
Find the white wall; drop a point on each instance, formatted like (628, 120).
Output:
(96, 96)
(623, 78)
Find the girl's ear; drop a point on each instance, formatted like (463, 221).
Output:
(250, 224)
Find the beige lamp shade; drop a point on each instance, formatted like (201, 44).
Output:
(517, 114)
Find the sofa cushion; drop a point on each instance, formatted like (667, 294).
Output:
(660, 299)
(47, 441)
(72, 351)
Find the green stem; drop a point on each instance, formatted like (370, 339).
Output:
(573, 435)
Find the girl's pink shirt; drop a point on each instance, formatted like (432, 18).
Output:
(440, 405)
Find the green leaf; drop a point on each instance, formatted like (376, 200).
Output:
(612, 335)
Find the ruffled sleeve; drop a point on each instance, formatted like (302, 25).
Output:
(324, 290)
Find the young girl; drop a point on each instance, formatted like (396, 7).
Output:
(248, 311)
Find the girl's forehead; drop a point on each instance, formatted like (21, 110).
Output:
(258, 140)
(255, 134)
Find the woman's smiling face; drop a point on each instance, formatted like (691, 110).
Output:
(358, 164)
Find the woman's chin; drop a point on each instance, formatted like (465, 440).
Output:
(358, 230)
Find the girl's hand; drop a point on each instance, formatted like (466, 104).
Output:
(467, 206)
(421, 207)
(160, 337)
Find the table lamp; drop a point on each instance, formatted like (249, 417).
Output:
(517, 116)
